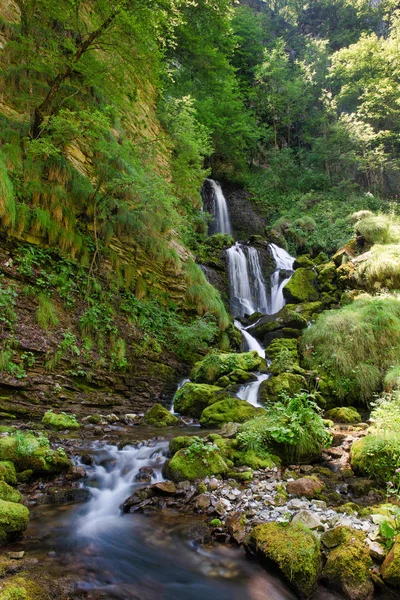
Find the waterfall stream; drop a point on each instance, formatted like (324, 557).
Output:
(283, 262)
(247, 285)
(221, 222)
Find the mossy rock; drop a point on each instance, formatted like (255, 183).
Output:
(179, 442)
(326, 275)
(9, 494)
(347, 570)
(214, 365)
(284, 383)
(22, 588)
(300, 287)
(344, 414)
(254, 460)
(239, 376)
(13, 521)
(303, 261)
(27, 451)
(159, 416)
(294, 549)
(189, 466)
(228, 411)
(241, 475)
(60, 421)
(284, 355)
(390, 569)
(7, 472)
(376, 456)
(340, 535)
(192, 398)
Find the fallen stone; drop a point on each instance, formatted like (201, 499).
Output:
(309, 519)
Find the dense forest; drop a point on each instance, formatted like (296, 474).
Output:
(199, 309)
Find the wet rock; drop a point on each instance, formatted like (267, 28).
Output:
(203, 502)
(192, 398)
(222, 506)
(376, 550)
(144, 475)
(59, 495)
(75, 473)
(235, 524)
(390, 570)
(309, 487)
(87, 459)
(339, 535)
(159, 416)
(164, 487)
(309, 519)
(136, 499)
(198, 532)
(347, 570)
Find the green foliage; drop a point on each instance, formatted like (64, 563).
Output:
(46, 315)
(291, 428)
(356, 345)
(67, 347)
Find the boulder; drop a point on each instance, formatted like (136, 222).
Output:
(309, 487)
(309, 519)
(343, 414)
(60, 421)
(390, 570)
(192, 398)
(187, 465)
(339, 535)
(347, 570)
(214, 365)
(13, 521)
(228, 411)
(300, 287)
(9, 494)
(159, 416)
(7, 472)
(303, 261)
(179, 442)
(284, 383)
(29, 452)
(293, 548)
(376, 455)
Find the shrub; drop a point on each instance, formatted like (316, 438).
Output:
(46, 315)
(378, 229)
(355, 345)
(382, 269)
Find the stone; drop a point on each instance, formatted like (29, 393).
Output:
(159, 416)
(309, 519)
(228, 411)
(300, 287)
(309, 487)
(339, 535)
(202, 502)
(390, 570)
(343, 414)
(222, 506)
(376, 550)
(185, 465)
(293, 548)
(192, 398)
(215, 365)
(165, 487)
(284, 383)
(30, 452)
(13, 521)
(75, 473)
(60, 421)
(8, 493)
(347, 570)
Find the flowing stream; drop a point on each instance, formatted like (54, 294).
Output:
(221, 222)
(284, 262)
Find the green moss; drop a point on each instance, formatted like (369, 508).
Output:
(299, 288)
(284, 356)
(179, 442)
(60, 421)
(347, 569)
(192, 398)
(214, 366)
(344, 414)
(13, 520)
(188, 465)
(376, 456)
(228, 411)
(8, 493)
(21, 588)
(303, 261)
(255, 460)
(159, 416)
(7, 472)
(284, 383)
(294, 549)
(390, 569)
(340, 535)
(241, 475)
(240, 376)
(28, 451)
(216, 523)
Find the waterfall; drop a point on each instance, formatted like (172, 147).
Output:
(283, 261)
(250, 342)
(221, 222)
(249, 391)
(248, 293)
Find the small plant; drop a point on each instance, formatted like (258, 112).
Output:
(46, 315)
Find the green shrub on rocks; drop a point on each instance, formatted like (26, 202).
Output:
(228, 411)
(379, 269)
(377, 456)
(377, 229)
(300, 287)
(13, 521)
(30, 452)
(192, 398)
(9, 494)
(347, 570)
(159, 416)
(290, 428)
(285, 383)
(214, 365)
(197, 461)
(355, 345)
(60, 421)
(343, 414)
(284, 355)
(293, 548)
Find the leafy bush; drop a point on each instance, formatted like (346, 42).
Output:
(381, 269)
(378, 229)
(291, 428)
(355, 345)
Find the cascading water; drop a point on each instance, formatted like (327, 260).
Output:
(283, 262)
(221, 222)
(250, 342)
(247, 285)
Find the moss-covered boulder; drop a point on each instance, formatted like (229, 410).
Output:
(293, 548)
(59, 421)
(390, 569)
(20, 587)
(7, 472)
(284, 355)
(214, 365)
(309, 487)
(254, 459)
(179, 442)
(240, 376)
(159, 416)
(376, 456)
(300, 287)
(192, 398)
(340, 535)
(13, 521)
(197, 461)
(347, 570)
(228, 411)
(28, 451)
(8, 493)
(303, 261)
(344, 414)
(284, 383)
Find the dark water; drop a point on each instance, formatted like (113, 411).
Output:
(126, 557)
